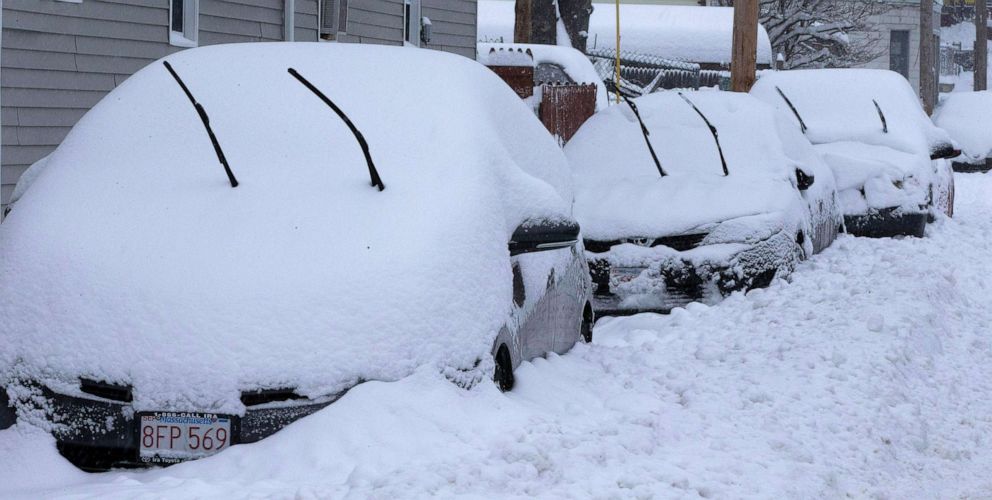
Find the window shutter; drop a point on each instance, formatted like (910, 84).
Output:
(328, 16)
(343, 16)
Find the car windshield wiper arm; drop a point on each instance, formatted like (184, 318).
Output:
(644, 129)
(373, 173)
(802, 124)
(716, 136)
(206, 124)
(885, 125)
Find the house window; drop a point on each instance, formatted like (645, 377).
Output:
(899, 52)
(411, 22)
(183, 22)
(333, 18)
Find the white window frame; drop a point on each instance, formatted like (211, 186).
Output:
(337, 28)
(189, 36)
(411, 22)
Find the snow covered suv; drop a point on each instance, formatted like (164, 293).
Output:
(690, 196)
(238, 235)
(889, 159)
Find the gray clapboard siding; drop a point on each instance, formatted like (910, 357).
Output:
(454, 25)
(60, 58)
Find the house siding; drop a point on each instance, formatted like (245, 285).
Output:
(454, 25)
(59, 59)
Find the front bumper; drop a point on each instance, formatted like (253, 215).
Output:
(97, 434)
(676, 280)
(887, 223)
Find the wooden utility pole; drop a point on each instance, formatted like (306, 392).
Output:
(744, 55)
(522, 20)
(928, 81)
(981, 45)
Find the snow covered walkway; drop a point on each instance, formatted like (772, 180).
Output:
(868, 375)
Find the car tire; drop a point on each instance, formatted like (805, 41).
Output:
(503, 376)
(8, 416)
(588, 320)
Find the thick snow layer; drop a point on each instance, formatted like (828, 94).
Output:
(700, 35)
(867, 375)
(620, 194)
(837, 107)
(575, 64)
(965, 116)
(131, 259)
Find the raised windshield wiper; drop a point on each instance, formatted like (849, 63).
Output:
(206, 124)
(885, 125)
(802, 124)
(716, 136)
(611, 87)
(373, 173)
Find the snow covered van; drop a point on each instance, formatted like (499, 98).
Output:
(239, 234)
(690, 196)
(889, 159)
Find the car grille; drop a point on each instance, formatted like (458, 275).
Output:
(114, 392)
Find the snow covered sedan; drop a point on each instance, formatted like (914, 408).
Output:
(238, 235)
(690, 196)
(965, 117)
(889, 159)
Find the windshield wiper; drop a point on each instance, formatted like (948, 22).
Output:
(885, 125)
(206, 124)
(802, 124)
(644, 129)
(716, 137)
(373, 173)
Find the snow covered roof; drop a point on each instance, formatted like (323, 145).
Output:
(619, 192)
(694, 34)
(839, 105)
(575, 64)
(132, 259)
(965, 116)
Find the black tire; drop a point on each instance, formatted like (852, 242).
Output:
(588, 320)
(503, 376)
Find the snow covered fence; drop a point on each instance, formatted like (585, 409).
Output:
(644, 73)
(564, 108)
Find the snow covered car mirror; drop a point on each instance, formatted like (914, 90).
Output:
(543, 234)
(944, 151)
(804, 181)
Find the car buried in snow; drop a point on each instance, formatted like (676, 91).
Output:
(889, 160)
(239, 234)
(691, 196)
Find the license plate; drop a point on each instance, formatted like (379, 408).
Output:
(171, 437)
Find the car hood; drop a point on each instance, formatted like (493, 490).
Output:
(877, 177)
(132, 260)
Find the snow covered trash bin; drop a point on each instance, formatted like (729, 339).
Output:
(722, 210)
(889, 159)
(239, 234)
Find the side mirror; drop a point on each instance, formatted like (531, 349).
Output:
(803, 180)
(944, 151)
(538, 235)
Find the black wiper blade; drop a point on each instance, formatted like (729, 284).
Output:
(802, 124)
(206, 124)
(644, 129)
(885, 125)
(373, 173)
(716, 136)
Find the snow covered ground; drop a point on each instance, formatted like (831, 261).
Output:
(869, 374)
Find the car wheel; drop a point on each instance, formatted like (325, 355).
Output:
(504, 369)
(588, 320)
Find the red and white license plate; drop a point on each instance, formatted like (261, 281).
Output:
(170, 437)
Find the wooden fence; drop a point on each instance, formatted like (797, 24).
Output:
(564, 108)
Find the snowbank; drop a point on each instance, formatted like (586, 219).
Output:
(575, 64)
(131, 259)
(965, 116)
(694, 34)
(619, 192)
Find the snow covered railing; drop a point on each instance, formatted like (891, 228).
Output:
(628, 58)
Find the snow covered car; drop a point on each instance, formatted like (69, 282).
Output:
(889, 159)
(238, 235)
(965, 116)
(692, 196)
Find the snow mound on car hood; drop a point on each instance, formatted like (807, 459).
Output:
(619, 192)
(132, 259)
